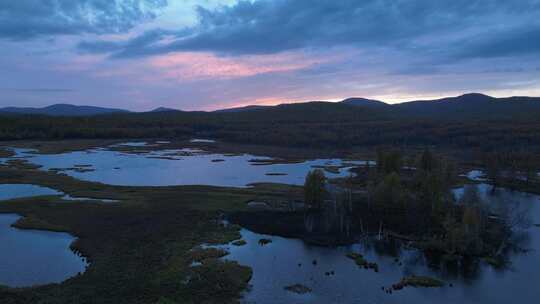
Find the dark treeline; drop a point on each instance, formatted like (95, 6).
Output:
(512, 169)
(416, 203)
(409, 198)
(304, 125)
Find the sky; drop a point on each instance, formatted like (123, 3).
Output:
(211, 54)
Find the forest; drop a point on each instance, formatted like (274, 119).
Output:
(314, 125)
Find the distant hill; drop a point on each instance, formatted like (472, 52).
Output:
(472, 121)
(472, 105)
(314, 111)
(364, 102)
(163, 109)
(465, 107)
(368, 103)
(62, 110)
(242, 109)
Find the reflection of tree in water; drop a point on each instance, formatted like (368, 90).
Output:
(330, 211)
(413, 214)
(335, 219)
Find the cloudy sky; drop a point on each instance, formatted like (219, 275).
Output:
(209, 54)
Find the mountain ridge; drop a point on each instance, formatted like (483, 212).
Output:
(466, 105)
(61, 109)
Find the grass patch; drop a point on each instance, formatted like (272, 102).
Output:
(201, 255)
(34, 223)
(298, 288)
(4, 153)
(264, 242)
(496, 262)
(140, 249)
(21, 164)
(239, 243)
(362, 262)
(417, 281)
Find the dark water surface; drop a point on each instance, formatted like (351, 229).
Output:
(276, 265)
(180, 167)
(32, 257)
(14, 191)
(17, 191)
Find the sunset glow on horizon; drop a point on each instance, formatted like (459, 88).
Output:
(208, 55)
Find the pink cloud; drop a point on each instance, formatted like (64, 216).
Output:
(80, 63)
(200, 66)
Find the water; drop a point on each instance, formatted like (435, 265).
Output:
(276, 265)
(68, 197)
(180, 167)
(14, 191)
(32, 257)
(203, 141)
(476, 175)
(132, 144)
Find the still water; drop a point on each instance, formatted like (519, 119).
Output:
(180, 167)
(276, 265)
(34, 257)
(14, 191)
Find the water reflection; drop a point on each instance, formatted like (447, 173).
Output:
(181, 167)
(31, 257)
(14, 191)
(285, 262)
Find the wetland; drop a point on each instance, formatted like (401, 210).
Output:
(165, 232)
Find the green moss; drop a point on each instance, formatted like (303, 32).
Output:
(21, 164)
(298, 288)
(362, 262)
(417, 281)
(201, 255)
(4, 153)
(228, 234)
(219, 279)
(166, 301)
(358, 258)
(145, 241)
(496, 262)
(264, 242)
(32, 222)
(239, 243)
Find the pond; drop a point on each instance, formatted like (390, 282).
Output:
(181, 167)
(16, 191)
(276, 265)
(32, 257)
(202, 140)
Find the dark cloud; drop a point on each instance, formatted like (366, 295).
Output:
(272, 26)
(24, 19)
(148, 39)
(524, 40)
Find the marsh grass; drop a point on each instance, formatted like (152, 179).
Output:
(139, 250)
